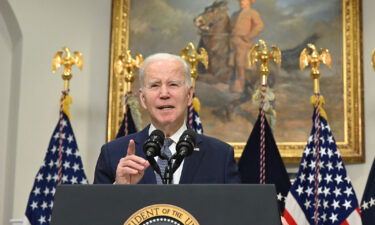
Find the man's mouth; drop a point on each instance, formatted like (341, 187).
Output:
(165, 107)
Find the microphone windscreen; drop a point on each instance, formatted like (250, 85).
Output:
(158, 133)
(190, 133)
(153, 143)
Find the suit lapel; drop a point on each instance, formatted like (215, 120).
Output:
(191, 163)
(149, 175)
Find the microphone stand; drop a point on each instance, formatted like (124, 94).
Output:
(167, 177)
(168, 173)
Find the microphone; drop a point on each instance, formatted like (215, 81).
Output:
(184, 147)
(152, 147)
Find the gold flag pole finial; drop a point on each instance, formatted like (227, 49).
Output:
(261, 53)
(67, 61)
(125, 66)
(314, 59)
(192, 58)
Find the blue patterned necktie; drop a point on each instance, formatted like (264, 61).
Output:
(163, 163)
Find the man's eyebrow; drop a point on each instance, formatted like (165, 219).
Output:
(178, 80)
(154, 81)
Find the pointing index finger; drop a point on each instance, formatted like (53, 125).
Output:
(131, 148)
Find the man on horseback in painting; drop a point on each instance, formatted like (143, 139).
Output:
(246, 25)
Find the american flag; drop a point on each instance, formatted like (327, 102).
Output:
(127, 125)
(275, 172)
(368, 199)
(66, 169)
(194, 121)
(322, 192)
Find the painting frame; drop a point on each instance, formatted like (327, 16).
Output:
(352, 148)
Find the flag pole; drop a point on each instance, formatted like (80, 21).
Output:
(67, 61)
(124, 68)
(193, 57)
(261, 53)
(62, 163)
(316, 195)
(314, 59)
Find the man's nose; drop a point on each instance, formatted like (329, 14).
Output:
(164, 92)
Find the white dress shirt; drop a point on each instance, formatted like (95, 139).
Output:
(175, 137)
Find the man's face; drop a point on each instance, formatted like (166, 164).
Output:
(245, 4)
(164, 94)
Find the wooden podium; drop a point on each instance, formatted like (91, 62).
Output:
(240, 204)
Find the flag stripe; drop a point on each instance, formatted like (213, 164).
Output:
(294, 211)
(289, 219)
(368, 199)
(354, 217)
(26, 221)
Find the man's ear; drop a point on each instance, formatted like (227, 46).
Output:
(190, 95)
(142, 98)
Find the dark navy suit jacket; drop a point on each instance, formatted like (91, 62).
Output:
(212, 164)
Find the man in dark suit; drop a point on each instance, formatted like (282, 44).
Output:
(165, 93)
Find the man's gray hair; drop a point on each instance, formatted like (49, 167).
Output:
(168, 56)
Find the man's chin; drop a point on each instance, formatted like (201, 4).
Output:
(168, 122)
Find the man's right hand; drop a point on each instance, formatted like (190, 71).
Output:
(131, 168)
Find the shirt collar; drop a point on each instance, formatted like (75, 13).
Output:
(176, 136)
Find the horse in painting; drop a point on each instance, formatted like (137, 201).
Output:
(214, 26)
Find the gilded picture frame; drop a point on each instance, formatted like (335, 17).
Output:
(352, 143)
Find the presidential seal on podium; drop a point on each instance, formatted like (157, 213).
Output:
(161, 214)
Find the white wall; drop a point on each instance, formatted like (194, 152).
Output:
(32, 108)
(10, 63)
(5, 80)
(46, 26)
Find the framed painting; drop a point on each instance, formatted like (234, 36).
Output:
(227, 109)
